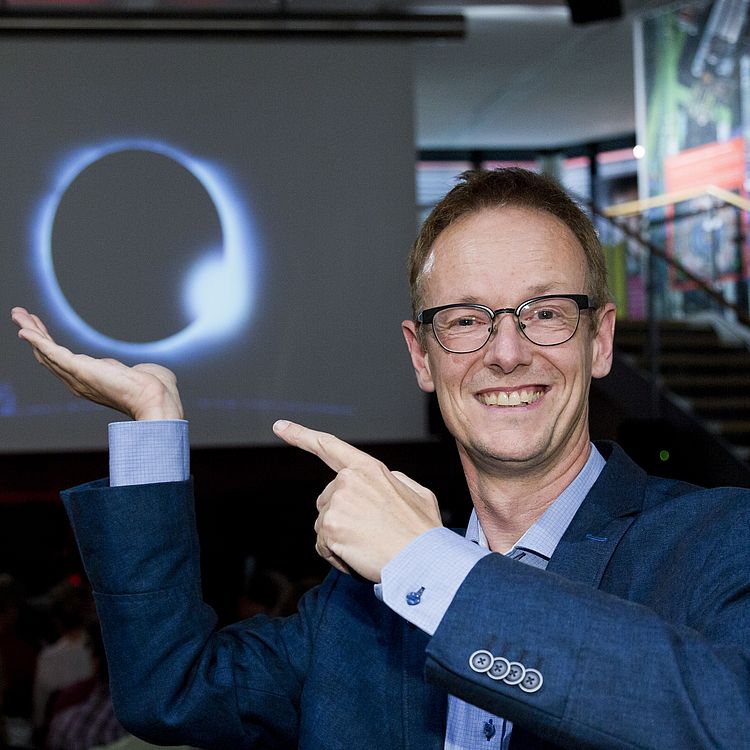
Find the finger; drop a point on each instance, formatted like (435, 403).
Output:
(75, 370)
(24, 319)
(40, 324)
(35, 336)
(59, 360)
(19, 315)
(322, 502)
(27, 327)
(332, 559)
(53, 357)
(328, 448)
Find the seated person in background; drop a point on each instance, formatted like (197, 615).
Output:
(68, 659)
(18, 653)
(587, 606)
(89, 721)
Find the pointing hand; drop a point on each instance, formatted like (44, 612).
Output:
(367, 514)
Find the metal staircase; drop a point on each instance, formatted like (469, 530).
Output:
(706, 376)
(681, 377)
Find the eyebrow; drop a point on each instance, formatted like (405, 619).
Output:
(536, 291)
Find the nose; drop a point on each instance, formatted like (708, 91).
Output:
(507, 348)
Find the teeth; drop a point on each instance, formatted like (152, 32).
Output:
(514, 398)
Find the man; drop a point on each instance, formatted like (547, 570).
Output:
(589, 606)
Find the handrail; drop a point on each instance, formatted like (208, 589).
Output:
(616, 216)
(679, 196)
(656, 251)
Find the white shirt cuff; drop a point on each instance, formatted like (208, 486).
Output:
(420, 582)
(148, 452)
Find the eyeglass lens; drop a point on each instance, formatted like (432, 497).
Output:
(545, 322)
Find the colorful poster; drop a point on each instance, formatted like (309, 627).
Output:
(703, 235)
(693, 114)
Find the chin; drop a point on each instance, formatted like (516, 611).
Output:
(500, 453)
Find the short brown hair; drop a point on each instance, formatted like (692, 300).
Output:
(480, 189)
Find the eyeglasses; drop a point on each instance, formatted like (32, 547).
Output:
(546, 321)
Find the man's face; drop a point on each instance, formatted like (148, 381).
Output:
(512, 404)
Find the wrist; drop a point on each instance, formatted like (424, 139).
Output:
(153, 415)
(163, 410)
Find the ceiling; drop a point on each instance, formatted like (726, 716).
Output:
(524, 76)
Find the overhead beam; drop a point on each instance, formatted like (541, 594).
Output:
(338, 25)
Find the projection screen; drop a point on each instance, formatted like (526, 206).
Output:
(237, 210)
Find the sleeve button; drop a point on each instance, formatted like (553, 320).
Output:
(531, 681)
(480, 661)
(499, 669)
(516, 673)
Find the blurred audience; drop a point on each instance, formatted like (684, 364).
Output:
(68, 659)
(19, 643)
(82, 716)
(54, 692)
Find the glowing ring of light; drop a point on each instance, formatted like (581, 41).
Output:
(213, 317)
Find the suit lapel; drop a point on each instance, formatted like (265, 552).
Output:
(590, 540)
(603, 518)
(582, 555)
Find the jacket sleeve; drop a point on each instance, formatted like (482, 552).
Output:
(615, 673)
(174, 677)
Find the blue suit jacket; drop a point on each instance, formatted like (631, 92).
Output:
(640, 627)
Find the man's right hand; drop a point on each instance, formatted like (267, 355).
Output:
(145, 391)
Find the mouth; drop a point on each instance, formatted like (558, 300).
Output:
(521, 397)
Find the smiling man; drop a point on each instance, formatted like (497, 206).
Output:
(512, 385)
(587, 605)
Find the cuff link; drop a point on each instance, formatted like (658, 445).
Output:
(414, 597)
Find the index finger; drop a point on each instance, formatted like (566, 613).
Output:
(335, 453)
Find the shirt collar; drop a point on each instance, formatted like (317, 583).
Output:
(544, 535)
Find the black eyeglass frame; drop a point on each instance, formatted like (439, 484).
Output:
(425, 317)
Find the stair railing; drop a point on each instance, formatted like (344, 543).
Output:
(618, 215)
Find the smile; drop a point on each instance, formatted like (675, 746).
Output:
(510, 398)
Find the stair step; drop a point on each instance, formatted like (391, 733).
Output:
(664, 325)
(702, 380)
(669, 340)
(716, 363)
(720, 407)
(711, 377)
(735, 433)
(733, 427)
(719, 359)
(692, 385)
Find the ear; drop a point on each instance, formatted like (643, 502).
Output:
(603, 341)
(419, 357)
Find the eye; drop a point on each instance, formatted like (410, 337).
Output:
(460, 320)
(547, 313)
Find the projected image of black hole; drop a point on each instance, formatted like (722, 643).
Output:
(126, 231)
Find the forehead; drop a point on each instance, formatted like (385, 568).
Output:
(503, 255)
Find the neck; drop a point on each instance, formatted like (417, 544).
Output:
(508, 500)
